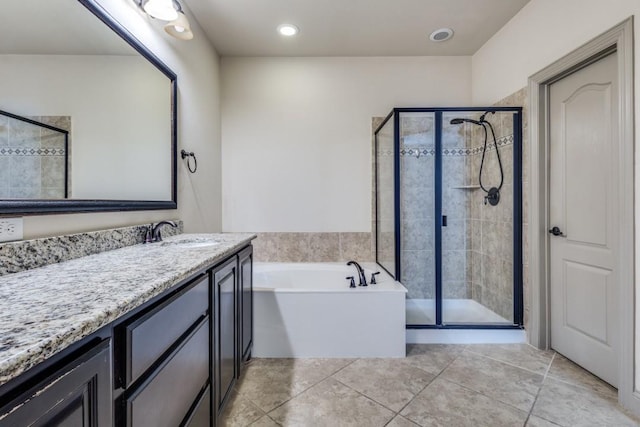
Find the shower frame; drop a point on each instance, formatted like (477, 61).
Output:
(518, 305)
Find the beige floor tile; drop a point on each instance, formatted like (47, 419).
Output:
(571, 405)
(269, 383)
(331, 404)
(240, 412)
(432, 357)
(387, 381)
(521, 355)
(540, 422)
(508, 384)
(565, 370)
(265, 422)
(400, 421)
(447, 404)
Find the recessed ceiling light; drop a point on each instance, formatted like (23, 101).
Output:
(288, 30)
(441, 35)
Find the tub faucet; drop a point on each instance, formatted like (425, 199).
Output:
(363, 278)
(153, 232)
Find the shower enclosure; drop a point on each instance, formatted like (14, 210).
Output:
(448, 215)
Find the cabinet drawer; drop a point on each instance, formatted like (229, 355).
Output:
(150, 336)
(166, 397)
(201, 415)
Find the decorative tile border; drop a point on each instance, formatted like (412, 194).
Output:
(12, 151)
(449, 152)
(28, 254)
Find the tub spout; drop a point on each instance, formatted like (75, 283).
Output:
(363, 278)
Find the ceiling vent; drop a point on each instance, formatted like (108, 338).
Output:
(441, 35)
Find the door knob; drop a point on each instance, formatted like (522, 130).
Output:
(556, 231)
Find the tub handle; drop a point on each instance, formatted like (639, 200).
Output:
(373, 278)
(353, 282)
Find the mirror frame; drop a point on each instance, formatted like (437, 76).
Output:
(60, 206)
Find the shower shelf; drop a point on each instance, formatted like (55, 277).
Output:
(466, 187)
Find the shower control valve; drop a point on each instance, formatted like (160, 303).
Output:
(373, 278)
(353, 282)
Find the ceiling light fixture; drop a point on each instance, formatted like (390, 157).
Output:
(160, 9)
(179, 27)
(441, 35)
(288, 30)
(171, 11)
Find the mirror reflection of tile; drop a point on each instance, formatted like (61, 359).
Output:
(32, 158)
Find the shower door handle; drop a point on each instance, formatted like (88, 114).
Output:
(556, 231)
(444, 220)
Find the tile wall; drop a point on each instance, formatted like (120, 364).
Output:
(417, 162)
(32, 158)
(520, 99)
(313, 247)
(490, 228)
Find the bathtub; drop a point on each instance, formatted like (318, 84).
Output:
(309, 310)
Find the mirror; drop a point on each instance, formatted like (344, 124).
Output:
(87, 113)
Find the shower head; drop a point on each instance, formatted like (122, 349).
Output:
(459, 121)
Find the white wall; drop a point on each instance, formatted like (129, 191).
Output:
(197, 66)
(297, 134)
(120, 109)
(543, 32)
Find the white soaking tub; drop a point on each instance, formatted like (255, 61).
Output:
(309, 310)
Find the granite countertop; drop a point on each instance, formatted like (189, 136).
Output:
(44, 310)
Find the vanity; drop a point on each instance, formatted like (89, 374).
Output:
(142, 335)
(146, 335)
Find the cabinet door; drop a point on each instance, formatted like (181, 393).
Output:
(246, 302)
(78, 395)
(225, 279)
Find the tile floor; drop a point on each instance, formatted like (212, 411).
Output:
(436, 385)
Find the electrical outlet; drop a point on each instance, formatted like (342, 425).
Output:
(10, 229)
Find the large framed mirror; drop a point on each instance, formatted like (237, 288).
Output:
(87, 113)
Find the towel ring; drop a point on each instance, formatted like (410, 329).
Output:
(188, 155)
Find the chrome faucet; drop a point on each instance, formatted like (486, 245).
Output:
(153, 232)
(363, 278)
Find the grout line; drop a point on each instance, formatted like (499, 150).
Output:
(404, 418)
(368, 398)
(512, 365)
(490, 397)
(544, 378)
(274, 421)
(311, 386)
(432, 380)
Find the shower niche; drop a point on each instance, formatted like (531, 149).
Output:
(448, 213)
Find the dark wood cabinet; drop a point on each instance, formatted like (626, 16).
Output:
(172, 361)
(166, 397)
(201, 414)
(224, 339)
(245, 317)
(76, 395)
(149, 336)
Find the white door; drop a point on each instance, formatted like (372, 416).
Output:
(583, 157)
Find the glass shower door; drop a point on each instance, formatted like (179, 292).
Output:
(477, 235)
(385, 197)
(417, 210)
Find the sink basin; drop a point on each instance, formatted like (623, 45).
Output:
(191, 243)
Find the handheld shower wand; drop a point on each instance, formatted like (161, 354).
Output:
(493, 193)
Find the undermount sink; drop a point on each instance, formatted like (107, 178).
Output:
(191, 243)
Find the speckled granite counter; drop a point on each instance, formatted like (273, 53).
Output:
(46, 309)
